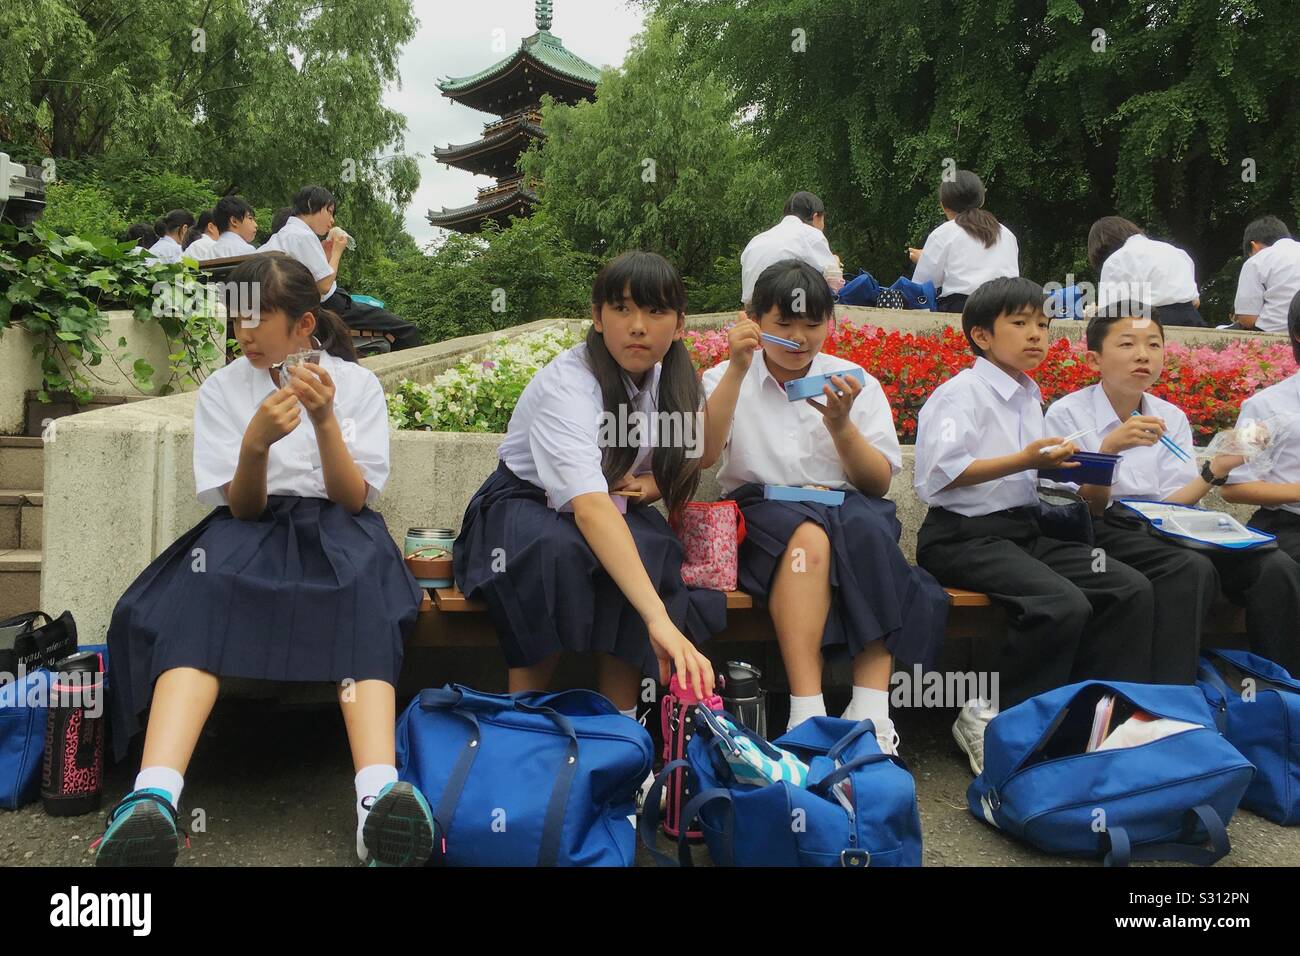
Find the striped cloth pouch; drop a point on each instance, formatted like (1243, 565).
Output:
(752, 759)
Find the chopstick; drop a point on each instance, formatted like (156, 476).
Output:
(1168, 443)
(777, 340)
(1066, 440)
(627, 493)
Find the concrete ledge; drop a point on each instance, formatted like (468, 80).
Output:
(21, 371)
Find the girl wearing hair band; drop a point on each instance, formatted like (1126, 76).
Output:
(290, 577)
(170, 230)
(967, 250)
(543, 542)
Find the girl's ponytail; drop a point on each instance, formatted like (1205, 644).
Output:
(334, 334)
(285, 285)
(964, 195)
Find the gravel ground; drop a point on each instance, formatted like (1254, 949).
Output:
(272, 786)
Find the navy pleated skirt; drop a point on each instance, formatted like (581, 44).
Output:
(547, 592)
(875, 594)
(307, 592)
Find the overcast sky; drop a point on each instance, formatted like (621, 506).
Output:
(456, 38)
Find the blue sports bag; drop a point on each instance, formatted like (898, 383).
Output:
(1156, 801)
(1257, 706)
(858, 807)
(526, 779)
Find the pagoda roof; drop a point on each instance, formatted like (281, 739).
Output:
(543, 54)
(503, 143)
(514, 202)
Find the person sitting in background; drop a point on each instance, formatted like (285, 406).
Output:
(142, 234)
(237, 225)
(203, 235)
(313, 217)
(1135, 267)
(170, 230)
(280, 218)
(1270, 276)
(800, 235)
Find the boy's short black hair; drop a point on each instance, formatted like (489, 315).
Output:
(1265, 230)
(787, 285)
(1108, 315)
(805, 205)
(1004, 296)
(282, 215)
(312, 199)
(228, 209)
(1293, 325)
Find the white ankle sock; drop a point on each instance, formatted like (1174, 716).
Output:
(868, 704)
(370, 780)
(161, 778)
(801, 708)
(630, 712)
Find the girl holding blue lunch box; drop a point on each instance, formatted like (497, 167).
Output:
(832, 575)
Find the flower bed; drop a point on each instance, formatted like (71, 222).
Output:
(1208, 383)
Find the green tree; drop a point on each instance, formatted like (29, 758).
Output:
(660, 160)
(1069, 111)
(254, 96)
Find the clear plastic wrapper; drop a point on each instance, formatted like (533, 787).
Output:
(1256, 441)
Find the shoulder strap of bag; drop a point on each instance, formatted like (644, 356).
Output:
(553, 823)
(848, 740)
(823, 786)
(1120, 851)
(29, 619)
(648, 827)
(447, 698)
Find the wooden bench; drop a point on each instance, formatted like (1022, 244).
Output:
(449, 619)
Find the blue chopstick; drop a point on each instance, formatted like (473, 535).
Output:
(1168, 443)
(777, 340)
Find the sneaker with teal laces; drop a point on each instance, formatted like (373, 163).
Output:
(399, 830)
(141, 831)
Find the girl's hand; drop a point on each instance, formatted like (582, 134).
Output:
(274, 418)
(677, 653)
(315, 389)
(645, 484)
(913, 254)
(743, 339)
(839, 401)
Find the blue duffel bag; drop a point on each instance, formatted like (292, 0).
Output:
(1160, 800)
(857, 809)
(528, 779)
(1262, 720)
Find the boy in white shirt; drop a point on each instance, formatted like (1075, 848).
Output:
(237, 225)
(1135, 267)
(201, 238)
(1270, 276)
(1128, 350)
(979, 444)
(799, 235)
(300, 237)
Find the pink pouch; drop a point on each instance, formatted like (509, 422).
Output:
(678, 724)
(711, 532)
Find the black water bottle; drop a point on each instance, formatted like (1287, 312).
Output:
(72, 774)
(743, 697)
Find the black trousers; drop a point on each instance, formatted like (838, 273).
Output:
(368, 318)
(1186, 582)
(1180, 313)
(1071, 614)
(951, 303)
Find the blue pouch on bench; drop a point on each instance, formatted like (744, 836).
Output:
(526, 779)
(1262, 720)
(858, 809)
(1157, 801)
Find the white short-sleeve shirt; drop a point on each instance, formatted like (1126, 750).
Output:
(1280, 399)
(554, 437)
(791, 238)
(165, 249)
(1152, 472)
(776, 441)
(1149, 271)
(1270, 279)
(201, 248)
(230, 397)
(297, 240)
(231, 244)
(958, 263)
(981, 412)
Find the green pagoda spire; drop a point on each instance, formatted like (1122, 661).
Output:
(543, 14)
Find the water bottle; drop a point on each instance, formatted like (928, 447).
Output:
(72, 773)
(743, 697)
